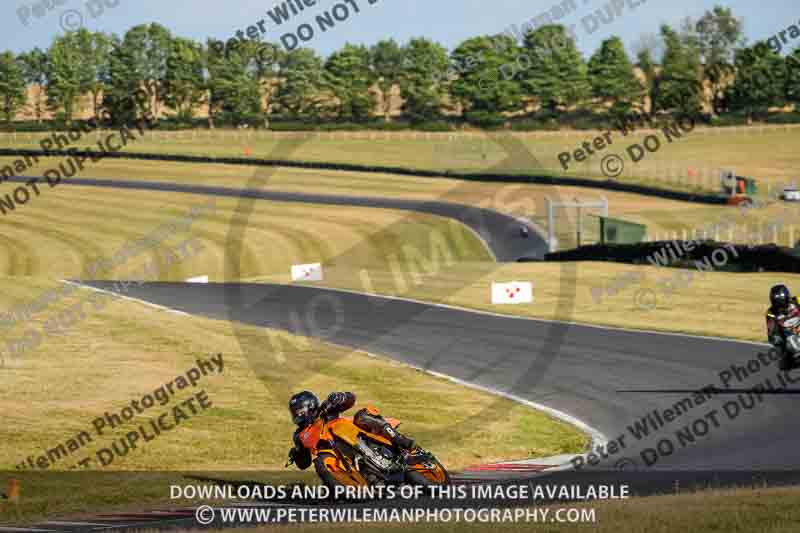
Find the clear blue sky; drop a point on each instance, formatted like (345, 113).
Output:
(447, 21)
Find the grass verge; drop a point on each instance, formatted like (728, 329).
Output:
(664, 218)
(718, 304)
(766, 154)
(126, 350)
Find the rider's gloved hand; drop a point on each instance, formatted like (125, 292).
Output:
(292, 456)
(334, 399)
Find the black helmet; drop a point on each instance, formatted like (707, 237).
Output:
(779, 296)
(303, 407)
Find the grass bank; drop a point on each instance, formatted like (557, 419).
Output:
(691, 162)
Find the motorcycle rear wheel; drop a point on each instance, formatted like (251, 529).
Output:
(333, 472)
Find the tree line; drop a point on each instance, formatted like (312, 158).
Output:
(485, 78)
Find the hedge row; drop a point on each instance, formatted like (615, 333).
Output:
(610, 185)
(543, 120)
(166, 124)
(745, 258)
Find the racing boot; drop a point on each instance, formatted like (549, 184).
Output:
(371, 420)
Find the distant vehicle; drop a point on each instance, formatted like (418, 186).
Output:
(791, 195)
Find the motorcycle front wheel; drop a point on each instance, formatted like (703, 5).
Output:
(334, 472)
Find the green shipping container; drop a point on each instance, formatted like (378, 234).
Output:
(617, 231)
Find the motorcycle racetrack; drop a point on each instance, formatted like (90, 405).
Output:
(587, 378)
(630, 390)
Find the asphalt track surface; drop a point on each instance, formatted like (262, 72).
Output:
(592, 365)
(499, 231)
(585, 377)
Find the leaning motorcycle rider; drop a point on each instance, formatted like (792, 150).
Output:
(305, 408)
(784, 312)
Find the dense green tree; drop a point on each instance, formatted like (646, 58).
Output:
(793, 77)
(121, 82)
(94, 51)
(13, 88)
(234, 83)
(679, 87)
(137, 62)
(422, 84)
(716, 35)
(485, 76)
(386, 57)
(648, 67)
(347, 74)
(184, 83)
(67, 78)
(760, 80)
(299, 93)
(648, 43)
(487, 80)
(35, 64)
(558, 76)
(146, 51)
(267, 66)
(612, 76)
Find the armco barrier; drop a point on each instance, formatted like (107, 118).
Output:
(608, 185)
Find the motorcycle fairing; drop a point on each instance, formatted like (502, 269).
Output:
(345, 429)
(310, 436)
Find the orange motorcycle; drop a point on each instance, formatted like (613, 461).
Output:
(346, 454)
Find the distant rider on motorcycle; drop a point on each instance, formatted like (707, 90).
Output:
(305, 409)
(783, 314)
